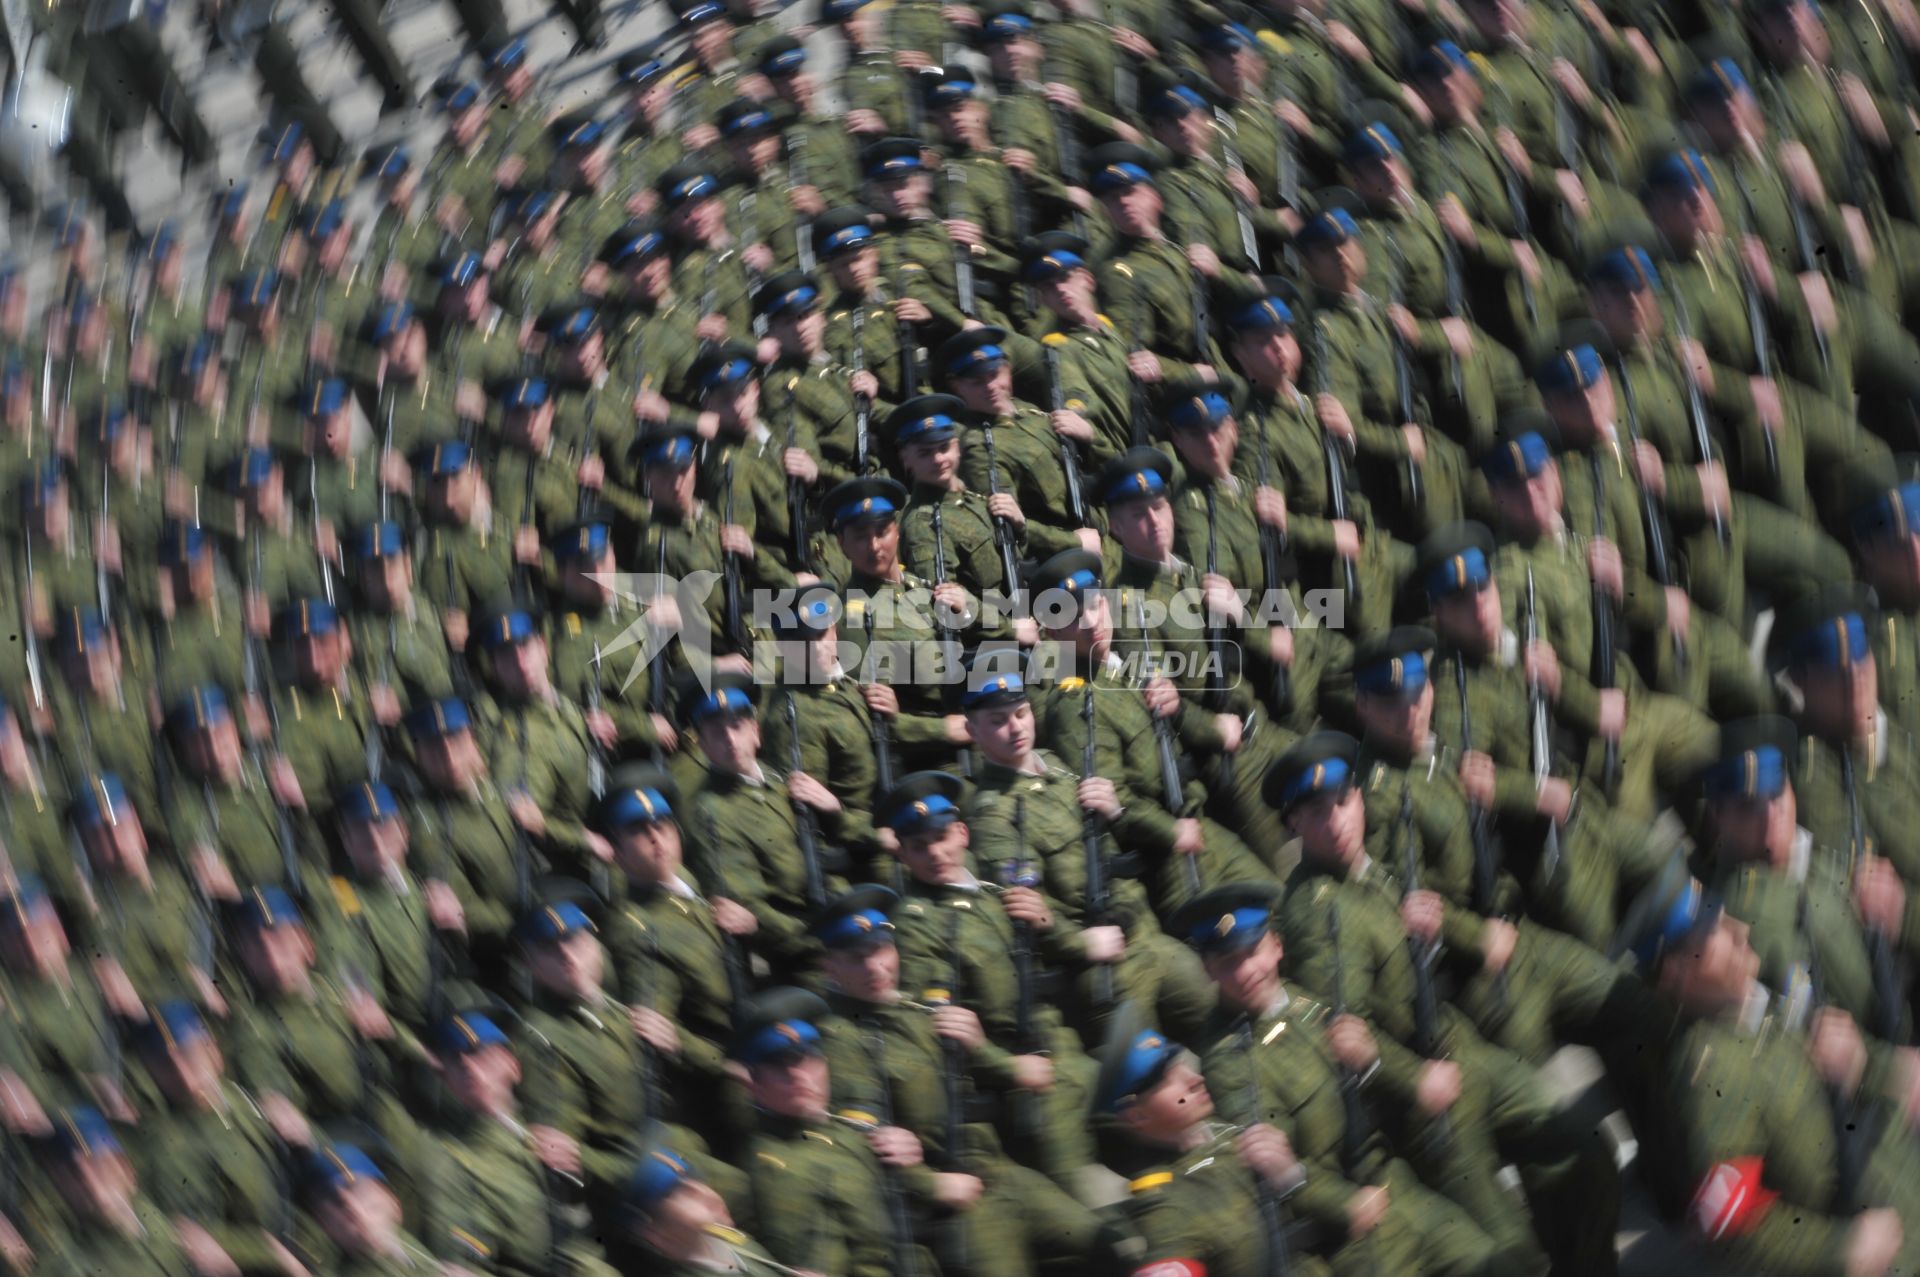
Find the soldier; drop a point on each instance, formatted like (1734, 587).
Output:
(1332, 1073)
(948, 534)
(884, 1054)
(111, 1225)
(1147, 283)
(680, 1223)
(1026, 806)
(1193, 1182)
(359, 1214)
(983, 940)
(1735, 1063)
(1011, 447)
(837, 1198)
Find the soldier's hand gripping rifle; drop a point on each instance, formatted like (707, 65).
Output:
(1403, 375)
(1092, 834)
(962, 255)
(862, 402)
(1249, 244)
(1888, 996)
(942, 624)
(1336, 461)
(806, 824)
(880, 731)
(1004, 537)
(1696, 402)
(1426, 1006)
(1272, 550)
(1654, 518)
(1069, 451)
(1603, 622)
(1485, 867)
(1541, 741)
(797, 499)
(732, 603)
(1216, 638)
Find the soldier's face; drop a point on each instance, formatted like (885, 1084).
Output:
(1686, 217)
(1186, 134)
(99, 1186)
(189, 1072)
(452, 761)
(1446, 95)
(1337, 267)
(214, 750)
(677, 1228)
(1269, 357)
(1143, 528)
(1134, 210)
(521, 668)
(1402, 721)
(1332, 827)
(1496, 19)
(278, 958)
(1470, 619)
(573, 966)
(377, 848)
(362, 1218)
(651, 277)
(36, 944)
(1249, 977)
(1069, 293)
(903, 196)
(649, 853)
(855, 270)
(118, 846)
(932, 463)
(97, 669)
(1232, 69)
(530, 428)
(1380, 182)
(1091, 629)
(872, 546)
(966, 121)
(454, 495)
(1748, 829)
(796, 1086)
(387, 580)
(1793, 32)
(870, 974)
(737, 405)
(1892, 566)
(482, 1081)
(580, 585)
(1172, 1108)
(804, 333)
(1712, 969)
(1620, 312)
(321, 658)
(331, 435)
(672, 486)
(701, 220)
(1016, 59)
(1842, 703)
(1209, 451)
(937, 858)
(1530, 507)
(711, 41)
(989, 391)
(1004, 733)
(731, 742)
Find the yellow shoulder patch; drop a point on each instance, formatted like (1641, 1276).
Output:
(1054, 339)
(772, 1161)
(1072, 684)
(1147, 1183)
(471, 1242)
(346, 897)
(731, 1236)
(573, 625)
(1277, 42)
(1124, 269)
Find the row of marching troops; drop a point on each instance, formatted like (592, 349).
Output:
(1078, 648)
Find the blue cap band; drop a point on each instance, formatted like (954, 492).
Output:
(1628, 268)
(1321, 778)
(1756, 773)
(509, 628)
(1115, 177)
(1335, 226)
(201, 708)
(1146, 1060)
(977, 361)
(441, 718)
(369, 802)
(642, 805)
(84, 1132)
(1671, 928)
(1894, 514)
(554, 922)
(381, 541)
(265, 908)
(723, 701)
(103, 796)
(692, 188)
(999, 687)
(1268, 312)
(588, 541)
(524, 392)
(309, 618)
(1465, 572)
(1232, 930)
(1574, 369)
(857, 929)
(392, 319)
(1403, 676)
(339, 1166)
(845, 238)
(780, 1040)
(1135, 486)
(1835, 643)
(1374, 142)
(1204, 410)
(873, 507)
(730, 373)
(655, 1177)
(922, 816)
(462, 1034)
(1521, 458)
(675, 450)
(449, 458)
(324, 398)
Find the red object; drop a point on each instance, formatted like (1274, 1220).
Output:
(1731, 1200)
(1172, 1268)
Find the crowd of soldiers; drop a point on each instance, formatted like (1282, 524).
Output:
(1079, 649)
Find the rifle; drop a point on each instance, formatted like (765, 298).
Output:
(797, 499)
(1216, 639)
(1092, 829)
(862, 402)
(1696, 405)
(1248, 243)
(1426, 1007)
(1272, 550)
(962, 256)
(657, 658)
(1758, 327)
(1336, 464)
(1069, 453)
(1888, 995)
(949, 644)
(1021, 872)
(1003, 534)
(1164, 746)
(1066, 145)
(1603, 653)
(1483, 861)
(1542, 739)
(1403, 374)
(1354, 1131)
(1656, 522)
(733, 608)
(806, 827)
(596, 753)
(250, 672)
(797, 176)
(906, 1256)
(882, 734)
(1273, 1225)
